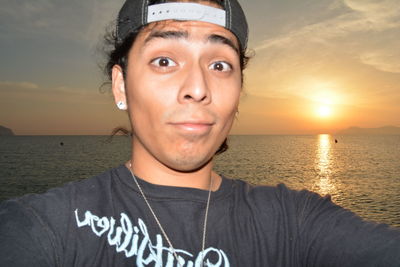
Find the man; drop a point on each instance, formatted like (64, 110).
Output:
(177, 70)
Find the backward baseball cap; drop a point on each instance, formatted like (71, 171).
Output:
(137, 13)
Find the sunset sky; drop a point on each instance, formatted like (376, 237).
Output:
(319, 66)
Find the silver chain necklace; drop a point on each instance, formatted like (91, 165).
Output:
(162, 229)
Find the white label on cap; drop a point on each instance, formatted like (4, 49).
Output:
(186, 11)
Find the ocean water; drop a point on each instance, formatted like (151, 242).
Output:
(361, 173)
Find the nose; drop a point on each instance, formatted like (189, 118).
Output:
(195, 87)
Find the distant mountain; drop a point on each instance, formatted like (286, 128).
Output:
(386, 130)
(5, 131)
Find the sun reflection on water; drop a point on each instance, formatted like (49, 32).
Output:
(324, 184)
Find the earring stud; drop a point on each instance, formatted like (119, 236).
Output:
(121, 105)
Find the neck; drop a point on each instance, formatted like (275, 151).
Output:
(153, 171)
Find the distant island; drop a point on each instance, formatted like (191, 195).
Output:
(5, 131)
(386, 130)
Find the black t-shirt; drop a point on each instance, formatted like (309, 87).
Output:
(104, 221)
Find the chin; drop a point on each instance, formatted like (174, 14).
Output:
(188, 163)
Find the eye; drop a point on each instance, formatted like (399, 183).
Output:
(163, 62)
(220, 66)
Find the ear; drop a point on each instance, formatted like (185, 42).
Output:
(118, 86)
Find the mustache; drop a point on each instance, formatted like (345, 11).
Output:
(186, 114)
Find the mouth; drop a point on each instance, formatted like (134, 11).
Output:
(193, 127)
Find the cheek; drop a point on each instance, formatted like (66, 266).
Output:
(146, 117)
(142, 105)
(226, 98)
(144, 110)
(149, 101)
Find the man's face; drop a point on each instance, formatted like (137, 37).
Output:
(183, 84)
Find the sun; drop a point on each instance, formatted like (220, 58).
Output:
(324, 111)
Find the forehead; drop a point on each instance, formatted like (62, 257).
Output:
(188, 30)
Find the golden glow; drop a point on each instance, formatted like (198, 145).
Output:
(324, 92)
(324, 184)
(324, 111)
(326, 97)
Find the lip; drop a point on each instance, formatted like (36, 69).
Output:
(195, 127)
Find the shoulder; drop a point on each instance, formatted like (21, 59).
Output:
(300, 206)
(41, 223)
(279, 193)
(54, 206)
(63, 193)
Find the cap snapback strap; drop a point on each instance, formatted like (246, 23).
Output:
(186, 11)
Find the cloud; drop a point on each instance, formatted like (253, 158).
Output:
(351, 43)
(382, 11)
(25, 16)
(360, 16)
(103, 13)
(4, 85)
(32, 88)
(387, 61)
(27, 92)
(80, 21)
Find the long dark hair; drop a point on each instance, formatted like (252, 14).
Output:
(117, 54)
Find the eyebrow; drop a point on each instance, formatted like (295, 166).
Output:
(213, 38)
(219, 39)
(166, 35)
